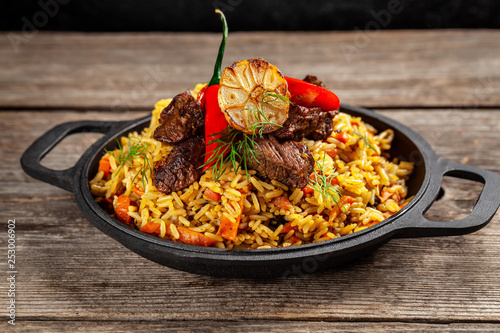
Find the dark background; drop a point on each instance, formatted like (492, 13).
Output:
(243, 15)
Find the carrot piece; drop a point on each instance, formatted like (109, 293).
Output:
(138, 191)
(307, 190)
(396, 197)
(336, 211)
(403, 204)
(341, 136)
(386, 194)
(294, 239)
(189, 236)
(332, 152)
(151, 228)
(122, 204)
(347, 200)
(282, 202)
(104, 166)
(211, 195)
(287, 227)
(245, 189)
(227, 229)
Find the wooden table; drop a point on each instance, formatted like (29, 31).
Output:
(443, 84)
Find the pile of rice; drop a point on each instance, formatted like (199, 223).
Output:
(365, 172)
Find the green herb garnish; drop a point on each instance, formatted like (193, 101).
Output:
(232, 146)
(366, 141)
(322, 183)
(268, 98)
(236, 147)
(135, 150)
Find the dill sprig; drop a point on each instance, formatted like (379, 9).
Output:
(322, 183)
(232, 146)
(136, 149)
(237, 148)
(365, 140)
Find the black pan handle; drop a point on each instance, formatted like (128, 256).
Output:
(416, 225)
(30, 161)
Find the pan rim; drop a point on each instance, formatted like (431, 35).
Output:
(385, 228)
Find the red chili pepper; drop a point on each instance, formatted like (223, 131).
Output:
(307, 94)
(215, 121)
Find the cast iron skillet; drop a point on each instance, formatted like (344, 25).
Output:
(425, 184)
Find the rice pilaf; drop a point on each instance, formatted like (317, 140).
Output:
(369, 187)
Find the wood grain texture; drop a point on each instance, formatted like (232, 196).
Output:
(452, 68)
(254, 326)
(73, 277)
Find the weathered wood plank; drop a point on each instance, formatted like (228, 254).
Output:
(68, 270)
(131, 71)
(254, 326)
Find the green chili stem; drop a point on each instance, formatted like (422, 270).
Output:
(218, 63)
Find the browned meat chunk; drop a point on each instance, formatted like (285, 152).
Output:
(181, 167)
(303, 122)
(182, 119)
(324, 127)
(313, 80)
(288, 162)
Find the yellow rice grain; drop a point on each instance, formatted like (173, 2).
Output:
(232, 194)
(185, 196)
(163, 229)
(229, 217)
(135, 216)
(184, 221)
(97, 177)
(174, 231)
(258, 239)
(273, 194)
(294, 195)
(242, 184)
(164, 198)
(235, 180)
(280, 185)
(215, 237)
(257, 184)
(266, 185)
(259, 217)
(347, 229)
(255, 201)
(330, 235)
(202, 212)
(277, 231)
(322, 239)
(177, 199)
